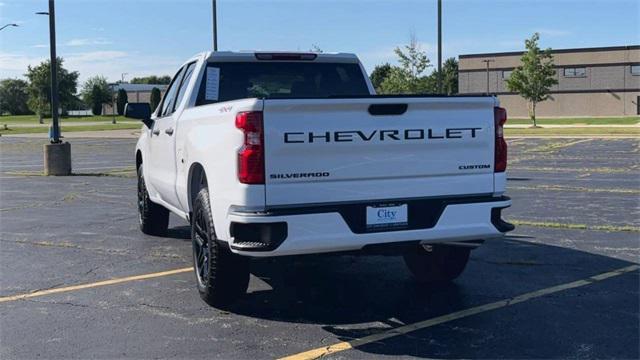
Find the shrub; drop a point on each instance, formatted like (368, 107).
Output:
(121, 100)
(155, 98)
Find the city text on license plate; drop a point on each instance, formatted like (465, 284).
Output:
(387, 216)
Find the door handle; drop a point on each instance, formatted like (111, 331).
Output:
(169, 131)
(156, 132)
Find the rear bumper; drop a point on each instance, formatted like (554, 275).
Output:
(329, 228)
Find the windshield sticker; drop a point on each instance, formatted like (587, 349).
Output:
(213, 83)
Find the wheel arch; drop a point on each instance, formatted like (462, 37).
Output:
(138, 159)
(197, 180)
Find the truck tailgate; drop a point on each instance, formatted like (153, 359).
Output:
(341, 150)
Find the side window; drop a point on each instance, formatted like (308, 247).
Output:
(167, 103)
(185, 82)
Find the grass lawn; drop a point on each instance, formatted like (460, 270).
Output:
(106, 119)
(63, 129)
(33, 119)
(627, 120)
(582, 131)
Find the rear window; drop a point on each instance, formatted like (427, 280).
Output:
(225, 81)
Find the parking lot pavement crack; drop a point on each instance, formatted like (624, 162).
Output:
(68, 245)
(601, 170)
(555, 147)
(93, 269)
(66, 303)
(563, 188)
(549, 224)
(156, 306)
(23, 207)
(154, 254)
(48, 287)
(517, 263)
(526, 262)
(169, 312)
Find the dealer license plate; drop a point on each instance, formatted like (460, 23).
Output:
(387, 216)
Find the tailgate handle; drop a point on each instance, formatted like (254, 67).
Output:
(387, 109)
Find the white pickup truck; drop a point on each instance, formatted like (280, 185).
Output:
(270, 154)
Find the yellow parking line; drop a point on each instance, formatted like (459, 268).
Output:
(93, 285)
(346, 345)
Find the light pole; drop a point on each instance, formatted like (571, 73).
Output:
(439, 46)
(215, 26)
(57, 155)
(488, 61)
(55, 136)
(12, 25)
(122, 76)
(113, 101)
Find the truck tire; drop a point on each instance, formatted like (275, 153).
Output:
(222, 276)
(153, 218)
(442, 264)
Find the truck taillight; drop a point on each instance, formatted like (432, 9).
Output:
(500, 117)
(251, 154)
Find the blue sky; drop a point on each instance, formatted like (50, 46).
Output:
(144, 37)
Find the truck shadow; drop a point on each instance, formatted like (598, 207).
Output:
(180, 233)
(352, 297)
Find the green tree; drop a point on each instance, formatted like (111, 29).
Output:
(153, 79)
(121, 100)
(95, 92)
(14, 96)
(450, 76)
(39, 88)
(378, 75)
(154, 99)
(431, 83)
(409, 77)
(449, 79)
(534, 78)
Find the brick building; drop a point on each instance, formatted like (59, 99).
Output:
(591, 81)
(135, 93)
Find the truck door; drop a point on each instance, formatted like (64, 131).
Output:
(162, 144)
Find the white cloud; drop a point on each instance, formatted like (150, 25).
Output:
(386, 54)
(370, 59)
(95, 56)
(553, 32)
(77, 42)
(15, 65)
(87, 42)
(510, 44)
(112, 63)
(381, 55)
(108, 63)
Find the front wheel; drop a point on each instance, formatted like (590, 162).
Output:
(221, 276)
(437, 263)
(153, 218)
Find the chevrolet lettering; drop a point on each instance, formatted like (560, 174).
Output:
(380, 135)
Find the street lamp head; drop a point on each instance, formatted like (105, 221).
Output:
(6, 26)
(42, 13)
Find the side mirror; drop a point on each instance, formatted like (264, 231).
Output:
(140, 111)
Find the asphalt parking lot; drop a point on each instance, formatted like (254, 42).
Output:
(564, 284)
